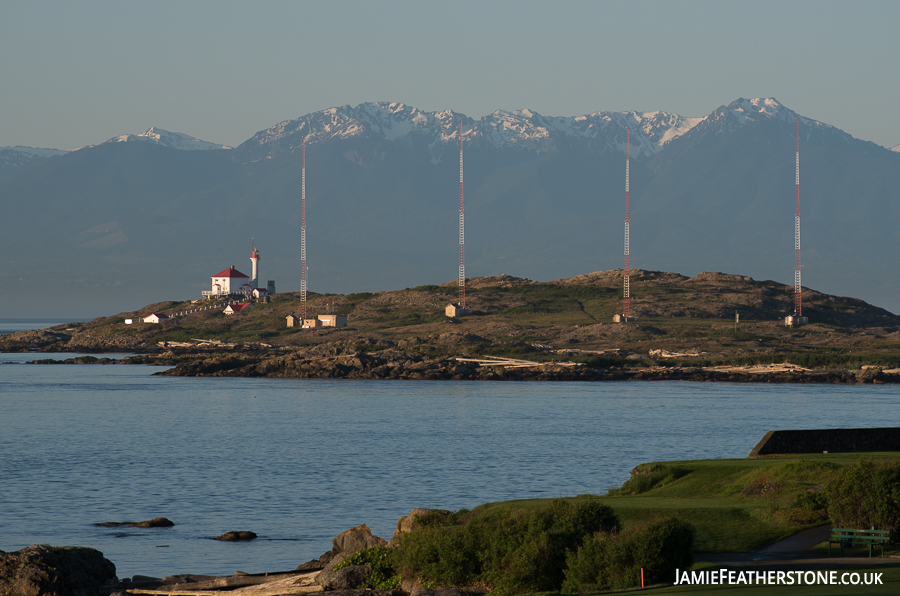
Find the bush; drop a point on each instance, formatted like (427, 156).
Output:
(864, 495)
(664, 546)
(384, 576)
(811, 501)
(614, 561)
(514, 552)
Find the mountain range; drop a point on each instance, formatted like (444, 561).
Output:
(121, 224)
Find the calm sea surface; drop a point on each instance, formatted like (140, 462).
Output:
(13, 325)
(299, 461)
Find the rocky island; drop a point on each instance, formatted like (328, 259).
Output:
(711, 327)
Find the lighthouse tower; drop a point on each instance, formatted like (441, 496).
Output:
(254, 258)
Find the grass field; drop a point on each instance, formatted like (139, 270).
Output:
(743, 505)
(735, 505)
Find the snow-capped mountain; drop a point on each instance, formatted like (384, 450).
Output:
(543, 197)
(519, 129)
(523, 129)
(748, 115)
(743, 112)
(13, 157)
(896, 148)
(173, 140)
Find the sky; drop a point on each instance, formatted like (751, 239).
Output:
(78, 73)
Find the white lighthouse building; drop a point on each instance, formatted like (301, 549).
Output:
(254, 259)
(232, 282)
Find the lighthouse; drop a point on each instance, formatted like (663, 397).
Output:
(254, 258)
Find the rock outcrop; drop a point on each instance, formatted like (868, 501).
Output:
(313, 565)
(156, 522)
(43, 570)
(352, 576)
(236, 536)
(356, 539)
(343, 546)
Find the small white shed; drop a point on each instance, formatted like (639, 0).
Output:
(156, 317)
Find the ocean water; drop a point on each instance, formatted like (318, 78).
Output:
(13, 325)
(299, 461)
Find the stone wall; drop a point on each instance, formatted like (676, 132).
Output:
(833, 440)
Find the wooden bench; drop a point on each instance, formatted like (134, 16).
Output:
(850, 537)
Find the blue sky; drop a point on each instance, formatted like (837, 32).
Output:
(78, 73)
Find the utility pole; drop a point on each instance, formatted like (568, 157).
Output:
(626, 310)
(798, 301)
(303, 269)
(462, 228)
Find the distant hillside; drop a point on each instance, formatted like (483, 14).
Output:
(123, 224)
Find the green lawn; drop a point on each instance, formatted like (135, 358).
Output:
(735, 505)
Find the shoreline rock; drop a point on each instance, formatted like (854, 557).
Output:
(156, 522)
(394, 364)
(236, 536)
(64, 570)
(355, 539)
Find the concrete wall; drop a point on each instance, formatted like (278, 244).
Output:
(834, 440)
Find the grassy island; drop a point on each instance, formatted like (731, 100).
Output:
(685, 328)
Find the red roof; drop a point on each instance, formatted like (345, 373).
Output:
(239, 306)
(230, 272)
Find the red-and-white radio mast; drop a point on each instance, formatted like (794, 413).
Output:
(462, 227)
(626, 310)
(303, 236)
(798, 303)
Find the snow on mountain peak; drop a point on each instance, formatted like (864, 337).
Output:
(13, 157)
(173, 140)
(30, 152)
(765, 108)
(524, 128)
(748, 110)
(896, 148)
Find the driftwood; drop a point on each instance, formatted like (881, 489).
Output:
(261, 584)
(668, 354)
(513, 362)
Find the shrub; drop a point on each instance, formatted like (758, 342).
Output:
(438, 518)
(864, 495)
(514, 552)
(384, 576)
(664, 546)
(614, 561)
(811, 501)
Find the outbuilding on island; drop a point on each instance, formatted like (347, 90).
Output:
(156, 317)
(237, 307)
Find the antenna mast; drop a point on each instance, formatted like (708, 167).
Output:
(798, 303)
(627, 294)
(303, 237)
(462, 227)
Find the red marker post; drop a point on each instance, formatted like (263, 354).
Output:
(642, 577)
